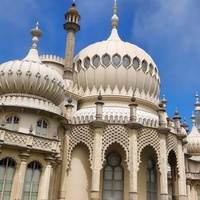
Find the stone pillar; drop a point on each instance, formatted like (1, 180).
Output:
(188, 189)
(96, 164)
(182, 177)
(64, 166)
(18, 182)
(133, 110)
(45, 180)
(133, 165)
(162, 118)
(163, 165)
(69, 108)
(99, 108)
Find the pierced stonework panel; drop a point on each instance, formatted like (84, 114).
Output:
(16, 138)
(42, 143)
(81, 134)
(115, 134)
(148, 137)
(172, 145)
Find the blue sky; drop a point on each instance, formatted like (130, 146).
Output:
(168, 30)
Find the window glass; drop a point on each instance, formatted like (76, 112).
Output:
(12, 123)
(96, 61)
(116, 59)
(136, 63)
(32, 179)
(41, 128)
(87, 62)
(7, 169)
(126, 61)
(113, 182)
(151, 69)
(144, 66)
(198, 192)
(151, 183)
(106, 59)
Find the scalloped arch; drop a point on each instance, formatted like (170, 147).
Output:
(84, 135)
(145, 139)
(115, 134)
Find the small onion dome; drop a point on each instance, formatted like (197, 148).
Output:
(31, 76)
(73, 9)
(193, 139)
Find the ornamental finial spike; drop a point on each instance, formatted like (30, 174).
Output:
(73, 3)
(36, 33)
(115, 18)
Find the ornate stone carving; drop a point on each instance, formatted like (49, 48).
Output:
(172, 145)
(81, 134)
(148, 137)
(115, 134)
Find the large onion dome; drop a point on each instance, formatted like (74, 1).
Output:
(114, 62)
(31, 77)
(118, 70)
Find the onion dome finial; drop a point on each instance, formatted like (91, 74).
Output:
(193, 117)
(36, 33)
(73, 3)
(115, 18)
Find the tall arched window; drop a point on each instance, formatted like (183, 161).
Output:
(42, 127)
(32, 180)
(113, 180)
(198, 192)
(151, 180)
(12, 123)
(7, 169)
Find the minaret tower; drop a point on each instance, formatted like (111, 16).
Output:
(71, 26)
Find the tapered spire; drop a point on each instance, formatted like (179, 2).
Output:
(71, 26)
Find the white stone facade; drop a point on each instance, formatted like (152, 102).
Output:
(92, 127)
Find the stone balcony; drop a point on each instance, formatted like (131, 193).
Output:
(29, 141)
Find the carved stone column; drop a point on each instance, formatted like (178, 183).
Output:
(188, 189)
(96, 165)
(182, 177)
(18, 183)
(64, 166)
(133, 165)
(45, 180)
(163, 164)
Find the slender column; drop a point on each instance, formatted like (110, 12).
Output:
(72, 18)
(18, 183)
(182, 177)
(163, 167)
(64, 167)
(45, 181)
(189, 189)
(97, 164)
(69, 54)
(133, 190)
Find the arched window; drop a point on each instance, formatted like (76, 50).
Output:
(32, 180)
(151, 180)
(42, 127)
(7, 169)
(198, 192)
(113, 180)
(12, 123)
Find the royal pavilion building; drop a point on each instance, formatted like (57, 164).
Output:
(92, 126)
